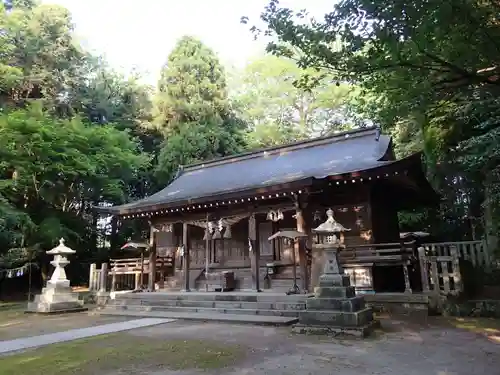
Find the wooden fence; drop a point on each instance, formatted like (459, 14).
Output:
(440, 264)
(475, 251)
(125, 274)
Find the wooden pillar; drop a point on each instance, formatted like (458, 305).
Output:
(455, 264)
(207, 252)
(152, 261)
(424, 275)
(406, 277)
(186, 258)
(300, 247)
(104, 277)
(113, 277)
(255, 253)
(137, 280)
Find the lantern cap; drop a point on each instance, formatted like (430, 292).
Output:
(330, 225)
(61, 249)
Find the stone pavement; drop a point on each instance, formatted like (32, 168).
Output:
(74, 334)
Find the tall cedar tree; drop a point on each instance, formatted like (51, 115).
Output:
(193, 110)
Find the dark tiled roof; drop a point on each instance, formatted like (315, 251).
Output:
(318, 158)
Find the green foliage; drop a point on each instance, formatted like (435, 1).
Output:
(74, 134)
(427, 73)
(54, 168)
(267, 96)
(192, 87)
(192, 109)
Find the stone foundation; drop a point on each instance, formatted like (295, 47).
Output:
(55, 298)
(335, 309)
(355, 332)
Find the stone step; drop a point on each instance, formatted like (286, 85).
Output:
(209, 316)
(336, 318)
(215, 296)
(238, 311)
(293, 306)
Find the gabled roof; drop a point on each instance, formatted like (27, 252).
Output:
(318, 158)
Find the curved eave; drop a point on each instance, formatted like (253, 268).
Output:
(411, 164)
(128, 209)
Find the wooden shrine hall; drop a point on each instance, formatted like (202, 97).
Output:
(215, 218)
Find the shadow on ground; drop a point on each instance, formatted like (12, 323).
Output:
(432, 346)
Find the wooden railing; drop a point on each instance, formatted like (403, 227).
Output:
(440, 274)
(439, 264)
(475, 251)
(125, 274)
(385, 253)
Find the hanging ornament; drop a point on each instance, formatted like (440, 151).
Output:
(217, 230)
(206, 236)
(359, 222)
(227, 232)
(250, 248)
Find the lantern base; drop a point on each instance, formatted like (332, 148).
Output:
(335, 309)
(56, 297)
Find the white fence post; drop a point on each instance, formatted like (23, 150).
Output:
(92, 277)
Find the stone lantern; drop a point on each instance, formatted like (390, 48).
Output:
(60, 253)
(335, 308)
(330, 240)
(57, 296)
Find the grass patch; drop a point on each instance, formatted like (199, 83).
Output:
(9, 312)
(487, 326)
(119, 351)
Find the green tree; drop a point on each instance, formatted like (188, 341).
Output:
(427, 72)
(54, 169)
(75, 134)
(39, 59)
(267, 97)
(193, 110)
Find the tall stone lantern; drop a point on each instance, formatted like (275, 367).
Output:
(57, 296)
(60, 253)
(335, 308)
(329, 241)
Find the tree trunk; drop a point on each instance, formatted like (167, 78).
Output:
(491, 212)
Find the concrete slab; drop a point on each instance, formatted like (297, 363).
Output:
(74, 334)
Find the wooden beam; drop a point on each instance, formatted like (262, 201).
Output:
(207, 251)
(222, 212)
(300, 202)
(186, 257)
(152, 260)
(255, 254)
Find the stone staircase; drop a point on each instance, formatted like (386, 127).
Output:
(265, 308)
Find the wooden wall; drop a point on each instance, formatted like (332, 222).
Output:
(365, 209)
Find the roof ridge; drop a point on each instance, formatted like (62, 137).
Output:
(289, 146)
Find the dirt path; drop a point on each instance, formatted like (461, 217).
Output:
(408, 349)
(434, 347)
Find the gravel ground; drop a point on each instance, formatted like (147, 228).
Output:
(406, 349)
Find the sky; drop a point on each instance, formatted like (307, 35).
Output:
(139, 35)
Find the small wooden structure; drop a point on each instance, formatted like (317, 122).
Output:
(295, 236)
(217, 216)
